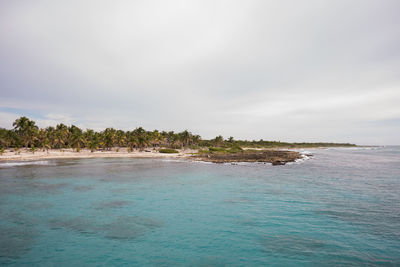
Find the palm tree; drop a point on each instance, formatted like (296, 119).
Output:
(185, 137)
(196, 139)
(5, 138)
(132, 141)
(77, 139)
(93, 144)
(218, 140)
(170, 138)
(176, 141)
(26, 130)
(51, 135)
(156, 138)
(142, 138)
(142, 141)
(108, 138)
(43, 140)
(120, 138)
(61, 135)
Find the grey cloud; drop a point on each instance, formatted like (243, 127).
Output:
(288, 70)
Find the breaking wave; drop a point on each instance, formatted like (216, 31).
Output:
(24, 163)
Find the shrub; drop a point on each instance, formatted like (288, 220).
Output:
(168, 150)
(216, 149)
(235, 149)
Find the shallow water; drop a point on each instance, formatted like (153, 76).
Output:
(342, 207)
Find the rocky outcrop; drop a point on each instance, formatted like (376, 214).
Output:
(276, 157)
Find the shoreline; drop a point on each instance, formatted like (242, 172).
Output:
(25, 155)
(276, 156)
(285, 155)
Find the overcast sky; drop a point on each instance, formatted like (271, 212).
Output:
(278, 70)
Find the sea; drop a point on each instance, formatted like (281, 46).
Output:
(340, 207)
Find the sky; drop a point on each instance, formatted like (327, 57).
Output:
(315, 70)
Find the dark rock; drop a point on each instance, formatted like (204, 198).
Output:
(276, 157)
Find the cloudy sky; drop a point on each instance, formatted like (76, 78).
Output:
(310, 70)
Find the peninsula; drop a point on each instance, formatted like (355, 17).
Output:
(26, 141)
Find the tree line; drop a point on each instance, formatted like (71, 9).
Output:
(26, 134)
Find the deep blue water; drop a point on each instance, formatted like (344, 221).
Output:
(342, 207)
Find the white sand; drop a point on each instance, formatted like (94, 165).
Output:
(24, 154)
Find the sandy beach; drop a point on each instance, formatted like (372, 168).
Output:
(24, 154)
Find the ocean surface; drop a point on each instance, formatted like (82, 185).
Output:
(341, 207)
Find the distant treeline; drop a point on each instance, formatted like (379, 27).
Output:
(27, 134)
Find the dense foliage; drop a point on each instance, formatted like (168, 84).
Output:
(27, 134)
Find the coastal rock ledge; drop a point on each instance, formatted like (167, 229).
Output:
(276, 157)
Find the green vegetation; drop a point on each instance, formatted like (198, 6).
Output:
(277, 144)
(235, 149)
(223, 150)
(216, 149)
(168, 150)
(28, 135)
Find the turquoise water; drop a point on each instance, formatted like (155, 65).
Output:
(341, 207)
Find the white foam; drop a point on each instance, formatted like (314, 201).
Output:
(24, 163)
(201, 162)
(304, 157)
